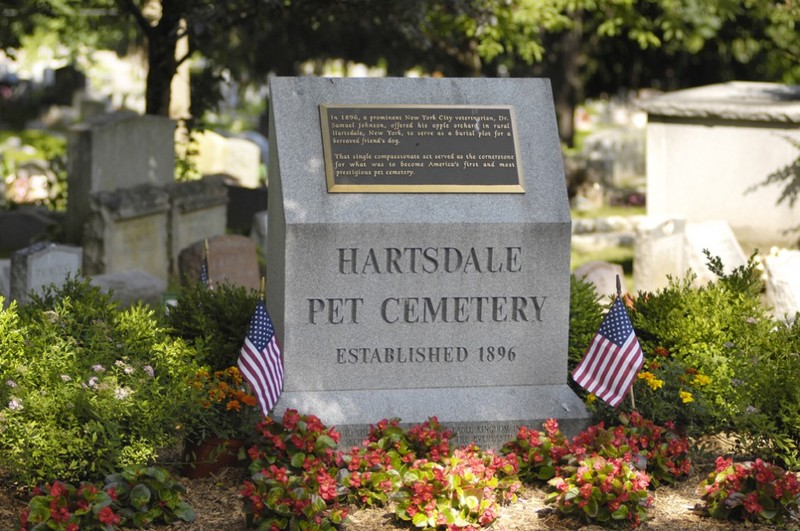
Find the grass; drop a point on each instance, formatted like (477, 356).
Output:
(615, 255)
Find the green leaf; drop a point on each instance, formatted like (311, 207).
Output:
(621, 513)
(140, 496)
(420, 520)
(298, 459)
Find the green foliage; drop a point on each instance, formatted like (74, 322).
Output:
(293, 483)
(214, 321)
(609, 491)
(755, 491)
(716, 361)
(40, 146)
(87, 388)
(137, 496)
(148, 495)
(585, 317)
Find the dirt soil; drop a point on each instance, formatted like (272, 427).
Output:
(218, 508)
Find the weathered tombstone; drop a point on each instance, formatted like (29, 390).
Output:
(5, 280)
(131, 286)
(198, 209)
(23, 227)
(707, 149)
(115, 150)
(127, 229)
(394, 298)
(40, 265)
(232, 259)
(718, 239)
(238, 157)
(783, 282)
(603, 275)
(658, 252)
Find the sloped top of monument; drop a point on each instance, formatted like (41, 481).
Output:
(735, 100)
(298, 164)
(116, 117)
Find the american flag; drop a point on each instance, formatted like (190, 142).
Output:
(260, 359)
(613, 359)
(204, 270)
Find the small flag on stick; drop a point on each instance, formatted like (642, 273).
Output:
(613, 358)
(204, 266)
(260, 358)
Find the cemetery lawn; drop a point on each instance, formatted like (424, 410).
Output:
(216, 501)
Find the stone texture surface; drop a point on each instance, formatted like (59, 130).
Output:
(198, 210)
(735, 100)
(115, 150)
(232, 259)
(41, 265)
(603, 275)
(658, 252)
(709, 148)
(783, 282)
(238, 157)
(717, 237)
(132, 286)
(127, 229)
(361, 343)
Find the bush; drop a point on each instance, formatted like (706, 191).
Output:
(755, 491)
(715, 361)
(87, 388)
(214, 321)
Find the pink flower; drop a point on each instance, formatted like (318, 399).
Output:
(106, 516)
(751, 504)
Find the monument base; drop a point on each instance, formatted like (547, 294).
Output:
(487, 416)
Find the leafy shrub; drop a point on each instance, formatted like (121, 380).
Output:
(148, 495)
(137, 496)
(603, 490)
(86, 388)
(539, 453)
(214, 321)
(464, 490)
(658, 450)
(715, 361)
(293, 483)
(756, 491)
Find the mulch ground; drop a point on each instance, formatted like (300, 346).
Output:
(216, 501)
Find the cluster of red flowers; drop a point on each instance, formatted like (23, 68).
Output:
(757, 491)
(70, 508)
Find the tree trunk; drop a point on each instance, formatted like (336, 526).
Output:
(162, 40)
(567, 81)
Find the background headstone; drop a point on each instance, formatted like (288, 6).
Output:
(603, 275)
(707, 149)
(198, 210)
(782, 268)
(364, 339)
(132, 286)
(127, 229)
(40, 265)
(238, 157)
(658, 252)
(112, 151)
(717, 237)
(232, 259)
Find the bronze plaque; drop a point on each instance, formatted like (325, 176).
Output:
(421, 149)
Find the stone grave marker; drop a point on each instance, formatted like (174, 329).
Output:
(603, 275)
(198, 209)
(115, 150)
(40, 265)
(418, 254)
(783, 283)
(127, 229)
(717, 237)
(232, 259)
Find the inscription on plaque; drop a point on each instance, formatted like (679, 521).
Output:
(421, 148)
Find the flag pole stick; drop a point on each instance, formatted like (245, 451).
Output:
(619, 295)
(262, 289)
(205, 247)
